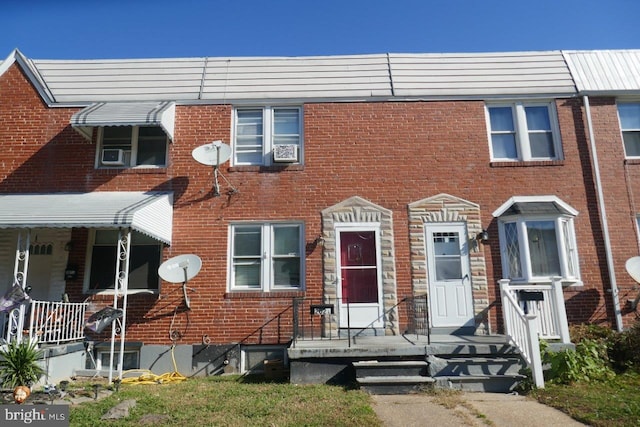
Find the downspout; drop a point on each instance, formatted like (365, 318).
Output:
(603, 217)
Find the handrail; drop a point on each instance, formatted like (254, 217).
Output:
(522, 330)
(325, 307)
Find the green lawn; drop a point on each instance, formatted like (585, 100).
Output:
(610, 403)
(226, 401)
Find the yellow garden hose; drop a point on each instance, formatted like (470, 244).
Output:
(148, 377)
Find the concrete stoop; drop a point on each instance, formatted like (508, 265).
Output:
(393, 377)
(495, 373)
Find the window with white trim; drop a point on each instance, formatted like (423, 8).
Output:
(538, 248)
(267, 135)
(523, 132)
(144, 260)
(629, 114)
(266, 256)
(132, 146)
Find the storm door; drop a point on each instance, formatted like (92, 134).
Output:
(359, 279)
(450, 296)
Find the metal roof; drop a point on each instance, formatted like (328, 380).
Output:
(149, 213)
(534, 205)
(339, 77)
(612, 71)
(125, 114)
(237, 80)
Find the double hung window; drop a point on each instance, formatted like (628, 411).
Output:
(523, 132)
(144, 260)
(266, 256)
(130, 146)
(263, 134)
(538, 244)
(630, 125)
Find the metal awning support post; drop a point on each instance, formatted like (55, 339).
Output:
(20, 268)
(121, 287)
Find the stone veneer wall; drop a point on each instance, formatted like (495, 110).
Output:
(447, 208)
(359, 210)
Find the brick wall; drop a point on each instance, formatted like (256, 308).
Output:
(390, 154)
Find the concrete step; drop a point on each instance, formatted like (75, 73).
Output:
(401, 384)
(393, 368)
(479, 383)
(458, 366)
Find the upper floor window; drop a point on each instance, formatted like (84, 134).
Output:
(267, 135)
(266, 256)
(130, 146)
(630, 126)
(523, 132)
(537, 241)
(144, 260)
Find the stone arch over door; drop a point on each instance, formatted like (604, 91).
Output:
(357, 210)
(445, 208)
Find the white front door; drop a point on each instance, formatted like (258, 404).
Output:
(450, 296)
(359, 281)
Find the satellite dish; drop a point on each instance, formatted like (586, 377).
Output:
(180, 269)
(633, 268)
(212, 154)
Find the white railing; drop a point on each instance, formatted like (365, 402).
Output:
(56, 322)
(548, 307)
(522, 329)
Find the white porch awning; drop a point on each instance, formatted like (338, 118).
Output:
(149, 213)
(125, 114)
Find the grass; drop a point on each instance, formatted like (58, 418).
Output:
(228, 401)
(601, 404)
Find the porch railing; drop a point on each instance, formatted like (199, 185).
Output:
(522, 330)
(318, 319)
(46, 322)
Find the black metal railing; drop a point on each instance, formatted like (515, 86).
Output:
(319, 319)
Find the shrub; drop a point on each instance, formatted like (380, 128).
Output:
(19, 364)
(588, 362)
(624, 348)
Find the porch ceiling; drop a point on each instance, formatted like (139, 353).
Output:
(149, 213)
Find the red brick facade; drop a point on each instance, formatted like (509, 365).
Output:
(391, 154)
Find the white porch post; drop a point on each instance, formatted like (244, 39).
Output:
(121, 286)
(534, 346)
(20, 268)
(561, 310)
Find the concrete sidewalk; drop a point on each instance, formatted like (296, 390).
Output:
(467, 409)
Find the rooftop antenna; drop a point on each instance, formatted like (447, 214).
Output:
(214, 154)
(181, 269)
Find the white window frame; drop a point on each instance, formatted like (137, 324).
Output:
(623, 130)
(267, 133)
(523, 146)
(133, 153)
(267, 257)
(566, 245)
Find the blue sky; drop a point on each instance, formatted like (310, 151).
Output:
(92, 29)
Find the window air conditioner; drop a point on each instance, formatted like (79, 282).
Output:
(285, 153)
(112, 156)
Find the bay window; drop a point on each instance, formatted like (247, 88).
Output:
(537, 242)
